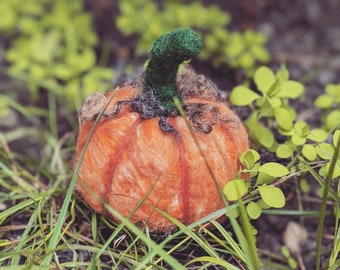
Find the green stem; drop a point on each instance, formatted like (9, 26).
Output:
(167, 53)
(323, 206)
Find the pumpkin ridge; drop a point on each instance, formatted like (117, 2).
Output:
(115, 159)
(239, 146)
(185, 177)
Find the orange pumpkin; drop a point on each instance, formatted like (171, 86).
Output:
(142, 148)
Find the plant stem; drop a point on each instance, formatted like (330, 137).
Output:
(167, 53)
(324, 204)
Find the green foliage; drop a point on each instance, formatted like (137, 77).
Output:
(270, 105)
(272, 114)
(291, 261)
(243, 50)
(325, 151)
(240, 50)
(270, 102)
(53, 48)
(330, 175)
(297, 138)
(329, 102)
(263, 194)
(41, 32)
(304, 147)
(4, 108)
(235, 189)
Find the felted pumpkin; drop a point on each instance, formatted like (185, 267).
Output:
(143, 150)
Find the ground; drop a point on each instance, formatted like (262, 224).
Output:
(302, 34)
(305, 36)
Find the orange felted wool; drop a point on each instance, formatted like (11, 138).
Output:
(143, 149)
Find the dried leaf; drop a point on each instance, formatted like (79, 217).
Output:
(294, 237)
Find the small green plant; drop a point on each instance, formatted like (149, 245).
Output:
(270, 104)
(42, 224)
(52, 48)
(329, 102)
(297, 139)
(324, 151)
(290, 260)
(263, 194)
(243, 50)
(313, 151)
(239, 50)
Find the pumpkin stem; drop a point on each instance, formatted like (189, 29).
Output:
(167, 53)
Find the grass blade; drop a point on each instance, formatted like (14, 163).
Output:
(324, 204)
(64, 210)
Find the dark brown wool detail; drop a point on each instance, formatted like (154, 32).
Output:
(203, 116)
(192, 85)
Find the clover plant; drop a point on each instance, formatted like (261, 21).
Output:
(288, 256)
(221, 46)
(243, 50)
(271, 105)
(270, 102)
(325, 151)
(263, 194)
(329, 102)
(271, 114)
(53, 47)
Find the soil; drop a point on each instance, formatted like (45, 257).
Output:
(302, 34)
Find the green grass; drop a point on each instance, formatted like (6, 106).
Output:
(43, 224)
(53, 221)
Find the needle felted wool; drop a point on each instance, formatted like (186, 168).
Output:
(143, 149)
